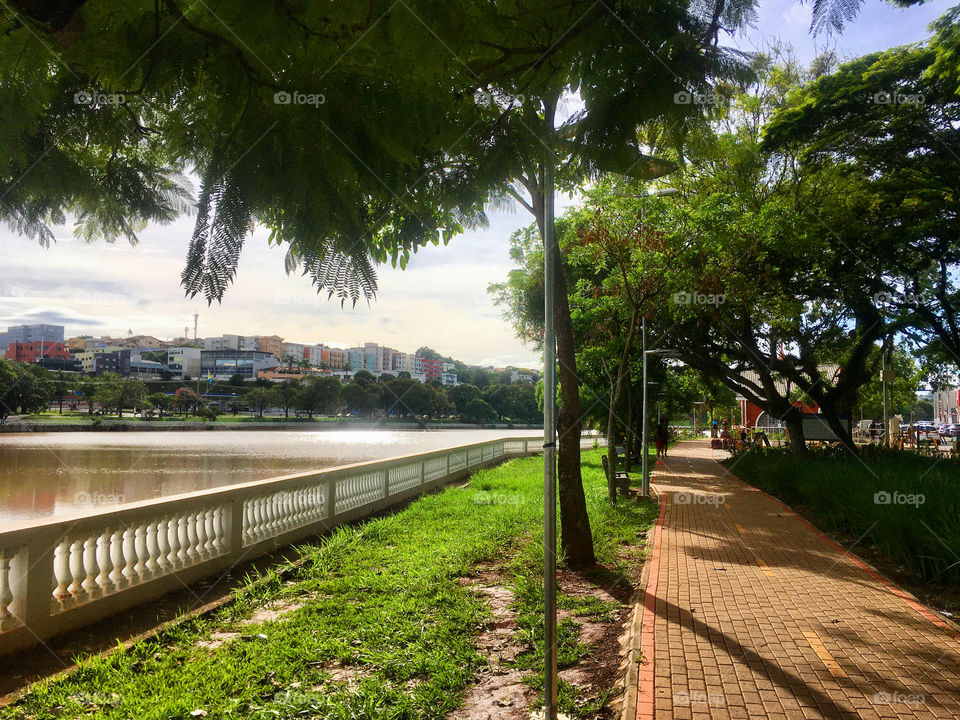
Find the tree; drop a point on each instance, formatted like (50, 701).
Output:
(89, 391)
(398, 177)
(258, 400)
(237, 379)
(160, 401)
(318, 394)
(460, 395)
(478, 410)
(882, 128)
(185, 399)
(361, 399)
(23, 389)
(60, 389)
(110, 392)
(901, 393)
(500, 399)
(284, 396)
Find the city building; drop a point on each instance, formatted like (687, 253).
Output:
(99, 361)
(429, 369)
(29, 334)
(335, 358)
(449, 379)
(282, 372)
(231, 342)
(402, 362)
(77, 343)
(146, 369)
(30, 352)
(272, 344)
(945, 405)
(298, 351)
(184, 361)
(225, 363)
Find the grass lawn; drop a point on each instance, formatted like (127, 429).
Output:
(379, 601)
(906, 505)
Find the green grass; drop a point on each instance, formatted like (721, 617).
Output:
(839, 491)
(380, 597)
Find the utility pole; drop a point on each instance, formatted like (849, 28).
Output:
(883, 382)
(644, 449)
(196, 318)
(550, 251)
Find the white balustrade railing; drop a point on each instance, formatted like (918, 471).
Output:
(66, 572)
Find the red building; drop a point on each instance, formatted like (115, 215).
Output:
(432, 369)
(30, 352)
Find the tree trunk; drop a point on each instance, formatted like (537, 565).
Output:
(798, 445)
(576, 539)
(629, 440)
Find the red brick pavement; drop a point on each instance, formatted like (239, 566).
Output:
(749, 612)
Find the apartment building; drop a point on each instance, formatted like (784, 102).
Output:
(231, 342)
(335, 358)
(272, 344)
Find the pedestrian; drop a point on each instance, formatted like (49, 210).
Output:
(661, 437)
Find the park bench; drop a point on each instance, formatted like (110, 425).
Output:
(617, 480)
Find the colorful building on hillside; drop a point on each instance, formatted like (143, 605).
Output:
(30, 352)
(272, 344)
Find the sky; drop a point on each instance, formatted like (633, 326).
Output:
(440, 300)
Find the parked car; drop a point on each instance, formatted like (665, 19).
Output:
(950, 429)
(926, 431)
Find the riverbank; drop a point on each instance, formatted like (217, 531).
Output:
(419, 613)
(105, 424)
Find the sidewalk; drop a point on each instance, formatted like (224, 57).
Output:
(751, 613)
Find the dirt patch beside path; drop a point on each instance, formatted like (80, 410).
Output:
(500, 693)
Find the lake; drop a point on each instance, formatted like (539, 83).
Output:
(45, 474)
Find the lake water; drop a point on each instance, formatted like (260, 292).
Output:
(44, 474)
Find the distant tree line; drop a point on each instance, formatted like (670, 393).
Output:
(26, 389)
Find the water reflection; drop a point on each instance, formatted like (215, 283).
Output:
(45, 474)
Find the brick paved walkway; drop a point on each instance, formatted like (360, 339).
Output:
(751, 613)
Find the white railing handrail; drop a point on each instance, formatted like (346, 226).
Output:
(66, 571)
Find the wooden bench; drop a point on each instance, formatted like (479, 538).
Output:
(618, 480)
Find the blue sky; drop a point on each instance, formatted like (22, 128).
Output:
(440, 300)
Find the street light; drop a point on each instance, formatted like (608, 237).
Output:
(645, 450)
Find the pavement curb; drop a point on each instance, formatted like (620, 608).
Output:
(638, 682)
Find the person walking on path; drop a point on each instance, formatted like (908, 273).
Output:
(661, 438)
